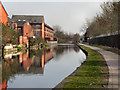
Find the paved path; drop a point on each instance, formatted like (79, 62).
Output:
(112, 62)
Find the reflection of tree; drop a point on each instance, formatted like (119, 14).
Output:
(35, 53)
(11, 66)
(62, 49)
(9, 69)
(35, 61)
(76, 49)
(59, 50)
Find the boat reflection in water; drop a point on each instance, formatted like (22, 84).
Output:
(25, 63)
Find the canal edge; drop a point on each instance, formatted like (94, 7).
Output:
(62, 83)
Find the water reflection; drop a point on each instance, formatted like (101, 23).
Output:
(28, 62)
(61, 49)
(33, 62)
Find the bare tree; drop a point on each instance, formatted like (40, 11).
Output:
(106, 22)
(83, 28)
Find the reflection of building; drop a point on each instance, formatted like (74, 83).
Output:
(4, 85)
(3, 15)
(48, 55)
(34, 65)
(25, 60)
(40, 61)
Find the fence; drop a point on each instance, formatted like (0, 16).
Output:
(111, 41)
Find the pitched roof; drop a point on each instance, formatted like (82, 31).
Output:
(33, 19)
(49, 27)
(21, 19)
(3, 7)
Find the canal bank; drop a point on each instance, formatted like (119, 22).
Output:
(93, 73)
(113, 65)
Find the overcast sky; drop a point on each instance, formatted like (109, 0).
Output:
(70, 14)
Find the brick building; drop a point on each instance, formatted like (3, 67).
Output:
(31, 25)
(3, 14)
(12, 25)
(49, 33)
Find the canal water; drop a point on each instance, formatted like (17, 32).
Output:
(41, 68)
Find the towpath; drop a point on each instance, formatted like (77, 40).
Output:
(112, 62)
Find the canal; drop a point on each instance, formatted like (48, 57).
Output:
(41, 68)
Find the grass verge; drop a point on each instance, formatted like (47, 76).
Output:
(111, 49)
(92, 74)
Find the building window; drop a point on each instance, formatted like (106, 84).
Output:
(37, 26)
(29, 20)
(14, 26)
(19, 20)
(37, 32)
(35, 20)
(19, 29)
